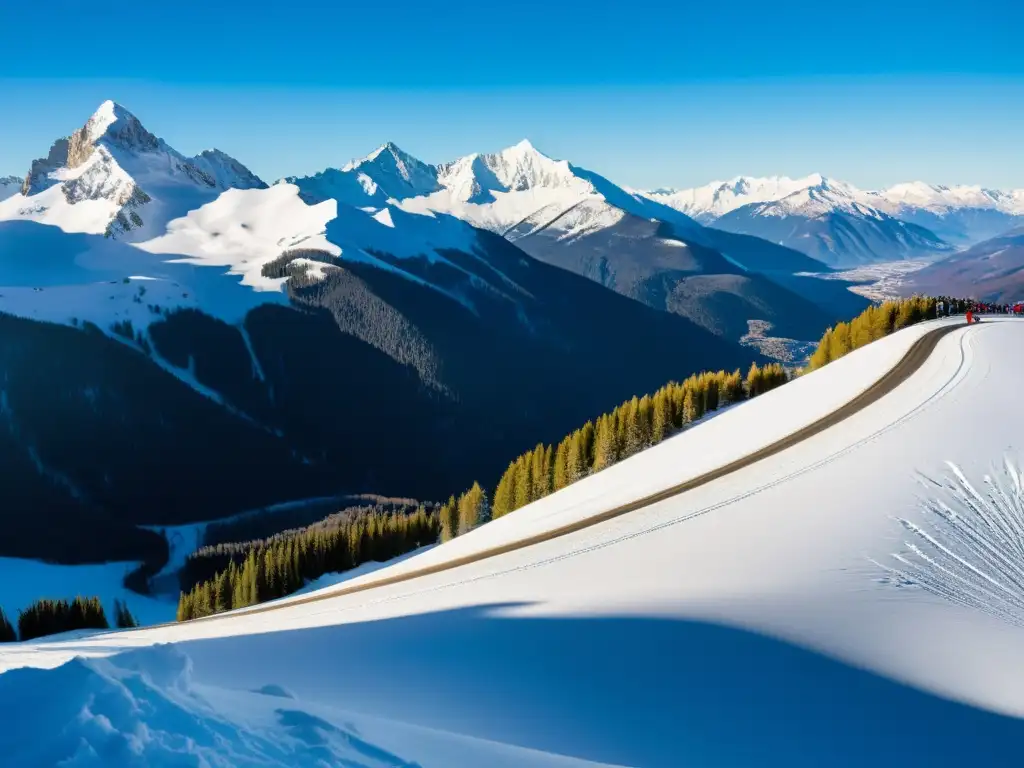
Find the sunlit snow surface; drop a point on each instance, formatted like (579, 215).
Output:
(969, 547)
(742, 623)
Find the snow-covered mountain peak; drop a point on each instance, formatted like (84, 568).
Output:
(522, 166)
(396, 172)
(226, 171)
(114, 125)
(112, 176)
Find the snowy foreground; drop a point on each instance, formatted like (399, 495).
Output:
(848, 601)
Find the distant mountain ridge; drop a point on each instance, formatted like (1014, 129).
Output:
(843, 225)
(991, 271)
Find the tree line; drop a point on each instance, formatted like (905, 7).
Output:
(50, 617)
(872, 324)
(634, 425)
(271, 568)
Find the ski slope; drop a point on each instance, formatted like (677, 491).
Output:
(757, 619)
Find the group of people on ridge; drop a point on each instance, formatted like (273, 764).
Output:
(945, 306)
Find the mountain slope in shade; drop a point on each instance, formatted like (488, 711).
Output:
(278, 349)
(990, 271)
(640, 258)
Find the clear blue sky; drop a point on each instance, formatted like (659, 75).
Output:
(648, 93)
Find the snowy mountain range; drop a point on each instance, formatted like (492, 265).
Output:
(578, 220)
(842, 225)
(279, 342)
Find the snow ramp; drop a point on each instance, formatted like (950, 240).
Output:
(850, 597)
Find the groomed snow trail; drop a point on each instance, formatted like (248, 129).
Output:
(743, 622)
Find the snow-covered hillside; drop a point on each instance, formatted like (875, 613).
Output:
(805, 610)
(9, 186)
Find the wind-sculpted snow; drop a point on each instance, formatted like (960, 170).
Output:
(969, 546)
(141, 709)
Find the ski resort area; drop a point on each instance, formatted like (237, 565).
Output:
(828, 574)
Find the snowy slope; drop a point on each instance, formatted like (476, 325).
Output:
(9, 186)
(754, 620)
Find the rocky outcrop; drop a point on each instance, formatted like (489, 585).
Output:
(38, 177)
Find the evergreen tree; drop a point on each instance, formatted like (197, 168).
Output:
(7, 633)
(575, 466)
(540, 472)
(524, 481)
(472, 508)
(560, 472)
(123, 617)
(689, 407)
(504, 494)
(586, 450)
(661, 418)
(604, 443)
(644, 419)
(449, 520)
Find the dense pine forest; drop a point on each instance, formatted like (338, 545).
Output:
(873, 323)
(270, 568)
(50, 617)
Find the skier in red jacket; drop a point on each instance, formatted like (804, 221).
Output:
(970, 317)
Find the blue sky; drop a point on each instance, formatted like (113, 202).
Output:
(651, 94)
